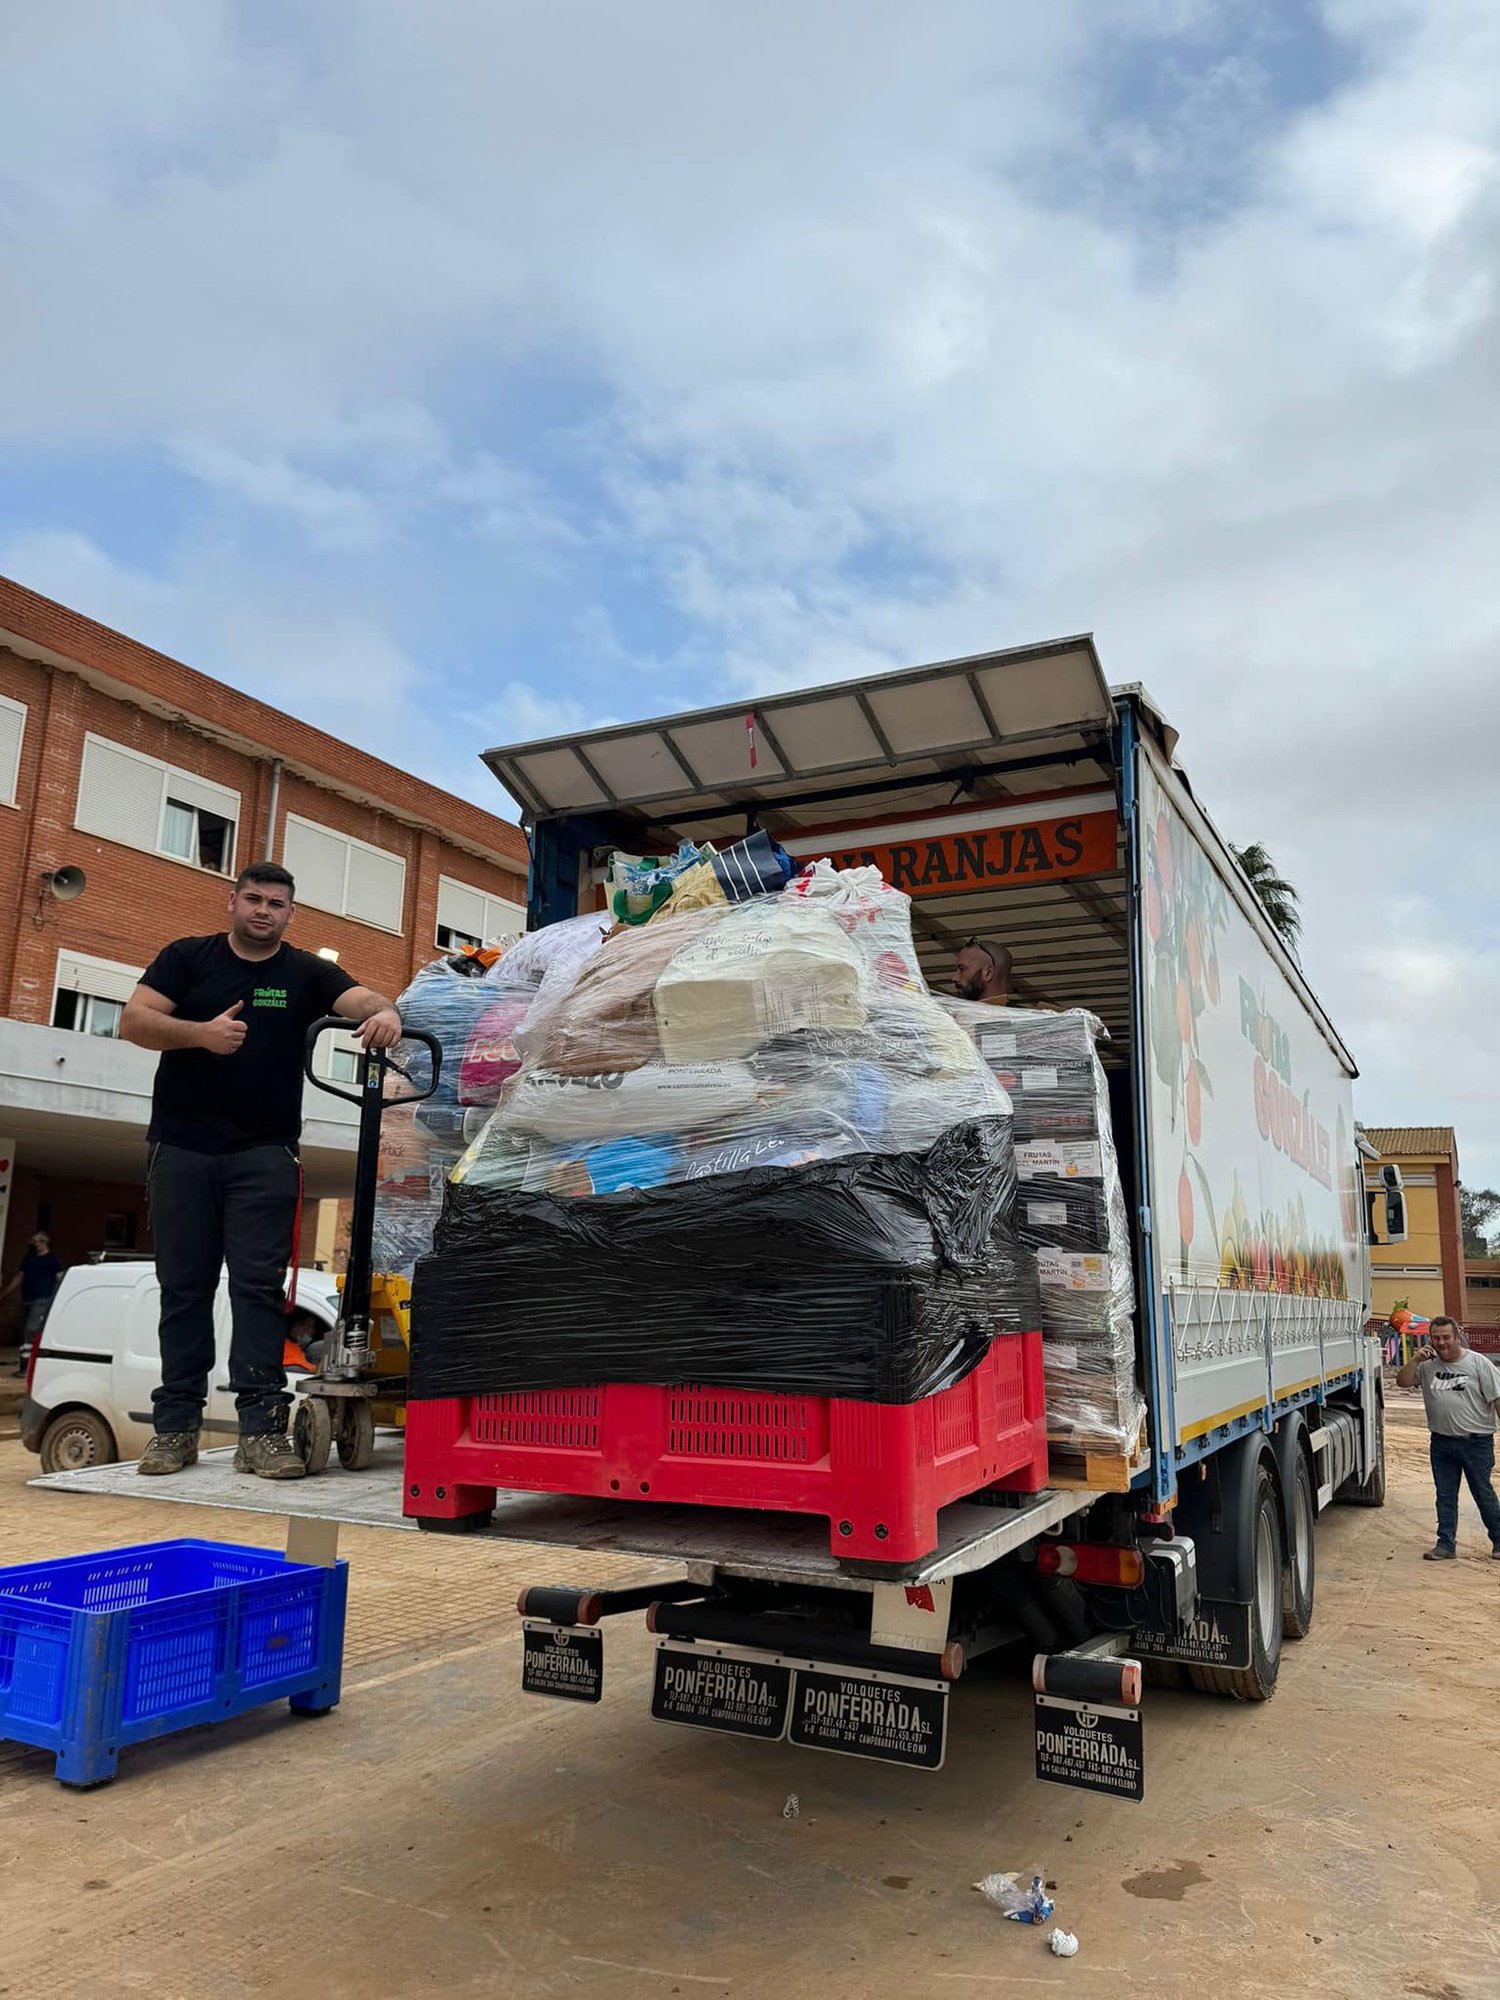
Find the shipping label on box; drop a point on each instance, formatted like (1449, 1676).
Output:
(1069, 1160)
(1085, 1272)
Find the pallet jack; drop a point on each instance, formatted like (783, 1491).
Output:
(361, 1381)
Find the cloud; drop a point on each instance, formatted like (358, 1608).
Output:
(567, 361)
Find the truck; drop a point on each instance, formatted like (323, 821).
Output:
(1017, 798)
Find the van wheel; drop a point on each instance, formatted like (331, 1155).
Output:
(1257, 1682)
(76, 1440)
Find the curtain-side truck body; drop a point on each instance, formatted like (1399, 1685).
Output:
(1019, 799)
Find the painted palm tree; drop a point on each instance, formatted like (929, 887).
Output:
(1277, 896)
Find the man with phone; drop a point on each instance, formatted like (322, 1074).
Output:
(1461, 1395)
(229, 1014)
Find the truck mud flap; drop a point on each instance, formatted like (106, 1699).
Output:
(1090, 1746)
(1217, 1636)
(564, 1661)
(738, 1692)
(851, 1711)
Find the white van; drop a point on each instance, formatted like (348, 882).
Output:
(88, 1400)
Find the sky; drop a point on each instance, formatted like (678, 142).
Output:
(460, 374)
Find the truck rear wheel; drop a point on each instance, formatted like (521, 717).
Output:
(1299, 1578)
(1257, 1682)
(1372, 1492)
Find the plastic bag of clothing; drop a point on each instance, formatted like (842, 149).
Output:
(769, 967)
(605, 1020)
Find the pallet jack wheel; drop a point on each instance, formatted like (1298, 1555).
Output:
(312, 1432)
(356, 1435)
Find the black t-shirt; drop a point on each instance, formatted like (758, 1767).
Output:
(223, 1104)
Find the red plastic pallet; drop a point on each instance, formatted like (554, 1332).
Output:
(879, 1472)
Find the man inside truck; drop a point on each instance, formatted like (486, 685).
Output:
(982, 972)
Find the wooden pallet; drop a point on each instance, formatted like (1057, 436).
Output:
(1095, 1471)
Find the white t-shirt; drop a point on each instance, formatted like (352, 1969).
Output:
(1459, 1395)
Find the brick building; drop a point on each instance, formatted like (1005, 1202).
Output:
(158, 783)
(1427, 1270)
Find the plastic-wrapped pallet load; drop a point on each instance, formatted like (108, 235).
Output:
(1070, 1216)
(476, 1004)
(770, 1164)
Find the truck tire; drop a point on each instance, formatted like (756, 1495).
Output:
(1372, 1492)
(1257, 1682)
(1299, 1578)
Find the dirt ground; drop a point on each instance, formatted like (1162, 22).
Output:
(442, 1834)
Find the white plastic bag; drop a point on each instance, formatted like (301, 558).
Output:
(659, 1097)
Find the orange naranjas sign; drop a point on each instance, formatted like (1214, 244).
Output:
(946, 864)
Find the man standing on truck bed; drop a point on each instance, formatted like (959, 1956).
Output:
(230, 1014)
(1461, 1395)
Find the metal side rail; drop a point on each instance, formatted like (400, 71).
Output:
(700, 1542)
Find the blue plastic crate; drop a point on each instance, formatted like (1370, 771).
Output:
(97, 1652)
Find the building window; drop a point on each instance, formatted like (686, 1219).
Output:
(12, 729)
(143, 803)
(194, 834)
(343, 1066)
(91, 994)
(119, 1229)
(468, 916)
(351, 878)
(88, 1014)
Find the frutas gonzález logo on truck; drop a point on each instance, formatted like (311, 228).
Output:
(1261, 1203)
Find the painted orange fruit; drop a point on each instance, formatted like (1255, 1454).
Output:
(1184, 1011)
(1194, 1104)
(1185, 1206)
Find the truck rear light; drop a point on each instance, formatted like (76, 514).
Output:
(1091, 1562)
(34, 1357)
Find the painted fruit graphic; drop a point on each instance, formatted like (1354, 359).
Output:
(1184, 1011)
(1185, 1207)
(1211, 979)
(1194, 954)
(1194, 1105)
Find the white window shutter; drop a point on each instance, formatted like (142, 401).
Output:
(107, 982)
(375, 887)
(502, 919)
(190, 790)
(119, 795)
(460, 907)
(12, 729)
(316, 859)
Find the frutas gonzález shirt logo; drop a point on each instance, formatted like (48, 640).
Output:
(268, 996)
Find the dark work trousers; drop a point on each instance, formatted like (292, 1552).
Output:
(1470, 1457)
(208, 1210)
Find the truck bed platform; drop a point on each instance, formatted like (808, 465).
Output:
(695, 1541)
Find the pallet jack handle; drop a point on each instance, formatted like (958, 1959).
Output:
(370, 1100)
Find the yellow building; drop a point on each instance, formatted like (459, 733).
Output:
(1427, 1270)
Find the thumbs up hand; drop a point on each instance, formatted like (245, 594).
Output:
(223, 1035)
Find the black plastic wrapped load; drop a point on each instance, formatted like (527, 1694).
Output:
(879, 1278)
(1071, 1220)
(1052, 1099)
(1055, 1214)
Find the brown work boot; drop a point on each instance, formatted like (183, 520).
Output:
(269, 1455)
(169, 1451)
